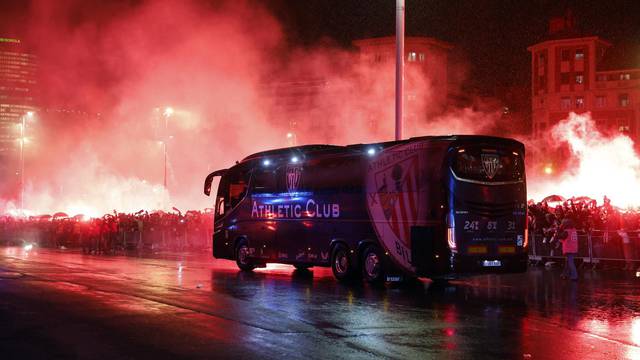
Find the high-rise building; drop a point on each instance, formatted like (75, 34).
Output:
(304, 100)
(572, 72)
(427, 55)
(18, 85)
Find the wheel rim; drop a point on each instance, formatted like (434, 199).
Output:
(243, 252)
(372, 265)
(341, 262)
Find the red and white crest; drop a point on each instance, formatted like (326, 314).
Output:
(393, 198)
(397, 189)
(490, 164)
(294, 174)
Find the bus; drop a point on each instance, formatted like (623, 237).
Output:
(440, 207)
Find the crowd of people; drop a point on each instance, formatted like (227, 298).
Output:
(112, 233)
(612, 232)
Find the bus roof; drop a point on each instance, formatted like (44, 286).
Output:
(322, 149)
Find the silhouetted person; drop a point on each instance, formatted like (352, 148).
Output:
(568, 235)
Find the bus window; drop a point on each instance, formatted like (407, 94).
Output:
(264, 181)
(334, 175)
(237, 191)
(220, 207)
(232, 189)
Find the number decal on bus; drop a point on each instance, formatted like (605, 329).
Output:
(492, 225)
(401, 251)
(472, 225)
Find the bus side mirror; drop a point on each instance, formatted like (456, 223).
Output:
(209, 180)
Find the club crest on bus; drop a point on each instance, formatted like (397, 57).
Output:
(490, 164)
(294, 174)
(397, 191)
(393, 181)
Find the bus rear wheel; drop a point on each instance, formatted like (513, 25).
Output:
(341, 263)
(242, 256)
(372, 267)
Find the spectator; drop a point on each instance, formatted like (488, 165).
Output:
(568, 236)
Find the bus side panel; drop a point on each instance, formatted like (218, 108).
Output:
(332, 202)
(405, 190)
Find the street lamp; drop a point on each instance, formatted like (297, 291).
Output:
(168, 112)
(23, 140)
(292, 139)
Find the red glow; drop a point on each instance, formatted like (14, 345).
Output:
(601, 165)
(201, 83)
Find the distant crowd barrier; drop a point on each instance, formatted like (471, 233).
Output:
(112, 234)
(594, 247)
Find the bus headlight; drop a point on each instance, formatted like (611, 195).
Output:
(451, 238)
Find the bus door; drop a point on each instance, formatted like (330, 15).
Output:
(261, 231)
(232, 190)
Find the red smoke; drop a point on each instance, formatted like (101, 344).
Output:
(216, 66)
(600, 165)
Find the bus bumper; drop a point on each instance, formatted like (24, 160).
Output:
(457, 266)
(502, 264)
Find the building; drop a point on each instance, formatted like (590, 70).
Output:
(306, 101)
(17, 99)
(571, 72)
(425, 55)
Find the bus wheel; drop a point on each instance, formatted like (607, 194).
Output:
(341, 263)
(242, 256)
(372, 269)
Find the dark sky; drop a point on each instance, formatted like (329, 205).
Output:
(491, 35)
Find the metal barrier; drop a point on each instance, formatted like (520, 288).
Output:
(150, 239)
(594, 247)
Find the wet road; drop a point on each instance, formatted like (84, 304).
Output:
(65, 304)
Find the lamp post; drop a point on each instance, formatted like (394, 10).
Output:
(168, 111)
(292, 139)
(399, 66)
(23, 126)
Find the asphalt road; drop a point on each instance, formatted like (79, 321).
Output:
(62, 304)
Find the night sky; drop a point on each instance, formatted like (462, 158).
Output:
(491, 35)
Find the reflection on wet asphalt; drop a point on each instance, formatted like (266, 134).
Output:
(193, 305)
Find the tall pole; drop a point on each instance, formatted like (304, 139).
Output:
(399, 66)
(166, 137)
(22, 132)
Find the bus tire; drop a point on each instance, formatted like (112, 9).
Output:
(341, 263)
(242, 256)
(372, 266)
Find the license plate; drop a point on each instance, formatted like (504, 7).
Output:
(491, 263)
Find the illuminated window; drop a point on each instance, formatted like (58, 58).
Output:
(601, 101)
(579, 78)
(565, 103)
(625, 76)
(580, 54)
(579, 102)
(421, 57)
(411, 57)
(623, 100)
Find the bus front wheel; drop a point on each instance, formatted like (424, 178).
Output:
(341, 263)
(242, 256)
(372, 268)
